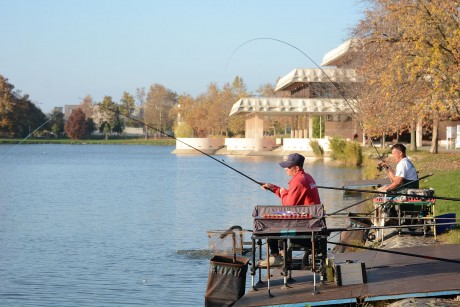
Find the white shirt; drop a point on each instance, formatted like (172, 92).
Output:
(406, 169)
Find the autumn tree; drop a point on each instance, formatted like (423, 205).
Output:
(87, 106)
(196, 114)
(410, 64)
(18, 115)
(76, 126)
(159, 102)
(181, 111)
(6, 102)
(208, 114)
(239, 90)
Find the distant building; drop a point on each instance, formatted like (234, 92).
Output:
(68, 109)
(304, 93)
(58, 109)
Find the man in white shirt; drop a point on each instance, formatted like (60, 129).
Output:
(405, 172)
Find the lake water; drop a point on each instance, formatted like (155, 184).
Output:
(115, 225)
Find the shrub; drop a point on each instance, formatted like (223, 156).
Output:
(183, 130)
(337, 146)
(353, 153)
(349, 153)
(317, 149)
(370, 170)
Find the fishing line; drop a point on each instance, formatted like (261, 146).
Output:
(200, 151)
(38, 128)
(30, 134)
(319, 67)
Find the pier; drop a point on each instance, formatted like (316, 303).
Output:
(389, 277)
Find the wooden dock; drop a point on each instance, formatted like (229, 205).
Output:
(389, 277)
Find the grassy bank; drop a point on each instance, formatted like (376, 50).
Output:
(156, 142)
(445, 180)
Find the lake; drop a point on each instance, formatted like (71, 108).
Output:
(115, 225)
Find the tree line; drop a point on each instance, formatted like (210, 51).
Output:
(157, 107)
(406, 52)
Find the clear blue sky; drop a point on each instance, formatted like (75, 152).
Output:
(59, 51)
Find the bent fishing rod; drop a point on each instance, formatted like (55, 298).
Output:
(178, 140)
(304, 54)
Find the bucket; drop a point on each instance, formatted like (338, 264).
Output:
(226, 280)
(445, 218)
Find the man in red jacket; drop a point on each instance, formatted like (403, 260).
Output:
(302, 191)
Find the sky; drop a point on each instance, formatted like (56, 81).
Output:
(59, 51)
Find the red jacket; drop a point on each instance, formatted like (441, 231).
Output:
(302, 191)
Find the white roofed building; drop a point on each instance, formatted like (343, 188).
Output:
(305, 92)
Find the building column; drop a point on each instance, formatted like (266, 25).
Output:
(310, 126)
(258, 124)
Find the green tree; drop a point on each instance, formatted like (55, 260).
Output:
(57, 123)
(127, 106)
(318, 127)
(117, 125)
(109, 113)
(91, 125)
(76, 126)
(105, 129)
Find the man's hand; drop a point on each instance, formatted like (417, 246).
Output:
(267, 186)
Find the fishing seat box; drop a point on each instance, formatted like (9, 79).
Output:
(350, 273)
(264, 226)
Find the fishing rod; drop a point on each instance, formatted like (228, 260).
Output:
(407, 183)
(391, 194)
(380, 157)
(396, 252)
(178, 140)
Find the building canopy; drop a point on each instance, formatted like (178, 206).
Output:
(315, 75)
(290, 106)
